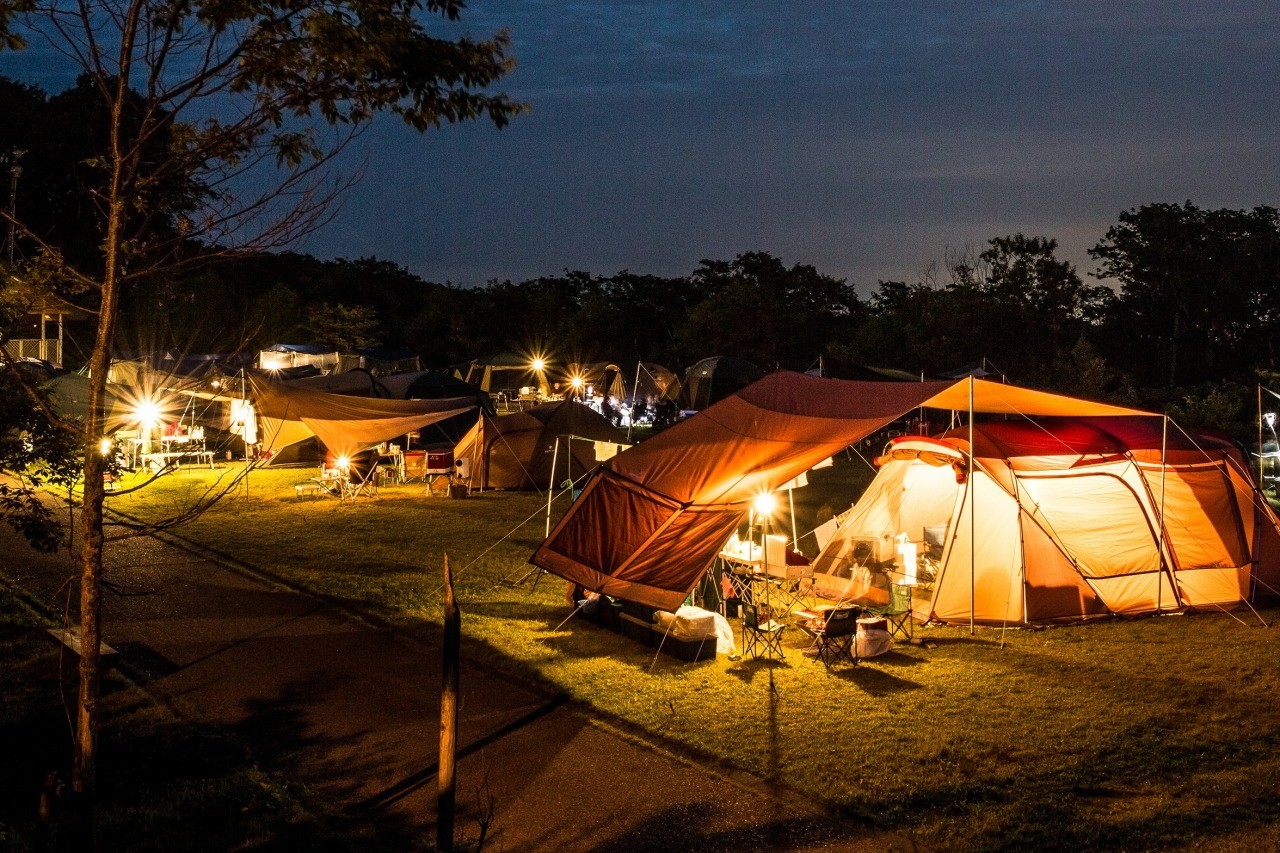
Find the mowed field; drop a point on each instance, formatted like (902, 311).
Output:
(1140, 734)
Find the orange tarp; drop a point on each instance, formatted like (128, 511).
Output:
(650, 522)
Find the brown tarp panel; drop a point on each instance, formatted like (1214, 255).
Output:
(345, 424)
(713, 464)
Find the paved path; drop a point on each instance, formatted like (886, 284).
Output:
(351, 711)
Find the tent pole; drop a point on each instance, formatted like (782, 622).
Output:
(551, 487)
(973, 527)
(1164, 466)
(1260, 469)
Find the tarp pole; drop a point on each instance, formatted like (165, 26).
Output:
(791, 499)
(551, 487)
(635, 391)
(973, 527)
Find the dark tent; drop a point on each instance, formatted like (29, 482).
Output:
(516, 451)
(712, 379)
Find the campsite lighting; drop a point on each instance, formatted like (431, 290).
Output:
(538, 364)
(342, 463)
(147, 413)
(104, 447)
(576, 382)
(765, 503)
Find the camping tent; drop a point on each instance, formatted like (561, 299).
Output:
(654, 380)
(604, 380)
(345, 424)
(1059, 520)
(506, 371)
(650, 522)
(516, 451)
(712, 379)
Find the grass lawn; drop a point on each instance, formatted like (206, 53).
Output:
(1146, 734)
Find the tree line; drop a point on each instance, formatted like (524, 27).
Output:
(1182, 307)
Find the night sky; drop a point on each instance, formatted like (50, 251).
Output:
(862, 138)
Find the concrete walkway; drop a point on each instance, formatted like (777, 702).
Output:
(351, 712)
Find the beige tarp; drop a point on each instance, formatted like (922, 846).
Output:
(346, 425)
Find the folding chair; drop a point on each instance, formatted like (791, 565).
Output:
(898, 611)
(760, 639)
(838, 636)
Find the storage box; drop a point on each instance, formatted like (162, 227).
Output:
(458, 490)
(637, 629)
(691, 651)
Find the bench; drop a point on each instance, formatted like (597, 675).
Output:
(158, 461)
(310, 488)
(69, 638)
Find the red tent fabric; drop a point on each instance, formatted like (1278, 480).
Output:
(650, 522)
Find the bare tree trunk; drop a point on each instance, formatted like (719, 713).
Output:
(84, 772)
(446, 780)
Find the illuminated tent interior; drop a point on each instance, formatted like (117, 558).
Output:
(1059, 520)
(517, 451)
(651, 521)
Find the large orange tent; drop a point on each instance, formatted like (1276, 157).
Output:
(1057, 520)
(650, 522)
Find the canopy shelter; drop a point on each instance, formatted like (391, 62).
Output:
(712, 379)
(650, 522)
(506, 371)
(654, 380)
(282, 356)
(344, 424)
(517, 451)
(1057, 520)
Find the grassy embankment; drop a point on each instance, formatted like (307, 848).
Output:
(1154, 733)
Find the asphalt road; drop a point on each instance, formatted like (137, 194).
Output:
(351, 711)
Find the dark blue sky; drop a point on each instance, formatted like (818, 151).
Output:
(861, 138)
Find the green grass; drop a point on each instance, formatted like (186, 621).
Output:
(1147, 734)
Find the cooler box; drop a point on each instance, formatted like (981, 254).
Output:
(439, 462)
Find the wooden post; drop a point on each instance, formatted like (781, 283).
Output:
(445, 780)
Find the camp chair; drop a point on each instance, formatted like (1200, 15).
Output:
(760, 638)
(898, 611)
(834, 638)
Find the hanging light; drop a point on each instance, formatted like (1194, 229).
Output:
(104, 447)
(764, 504)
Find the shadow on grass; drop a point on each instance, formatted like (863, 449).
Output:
(702, 826)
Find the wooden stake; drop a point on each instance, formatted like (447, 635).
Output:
(446, 781)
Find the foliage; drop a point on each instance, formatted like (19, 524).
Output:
(1198, 292)
(345, 329)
